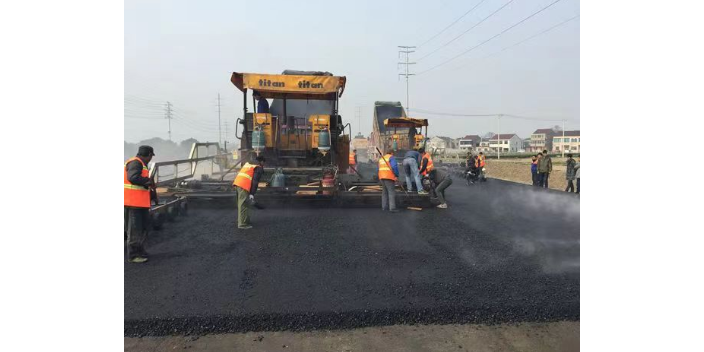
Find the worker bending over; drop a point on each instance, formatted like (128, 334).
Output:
(388, 174)
(246, 184)
(410, 167)
(137, 203)
(441, 180)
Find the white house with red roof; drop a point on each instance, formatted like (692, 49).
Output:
(570, 142)
(507, 142)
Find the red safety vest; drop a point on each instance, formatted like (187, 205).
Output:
(385, 171)
(482, 161)
(429, 167)
(244, 177)
(135, 195)
(352, 162)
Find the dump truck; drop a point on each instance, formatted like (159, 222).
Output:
(393, 131)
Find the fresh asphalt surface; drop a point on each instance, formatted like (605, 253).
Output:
(501, 252)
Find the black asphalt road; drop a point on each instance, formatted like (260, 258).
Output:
(501, 252)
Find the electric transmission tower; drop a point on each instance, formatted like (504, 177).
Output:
(406, 50)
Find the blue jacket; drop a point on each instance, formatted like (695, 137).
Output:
(394, 165)
(413, 154)
(533, 167)
(263, 106)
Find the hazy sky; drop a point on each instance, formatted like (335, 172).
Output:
(185, 52)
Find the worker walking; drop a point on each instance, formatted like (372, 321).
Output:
(246, 184)
(411, 160)
(137, 203)
(353, 161)
(441, 179)
(388, 174)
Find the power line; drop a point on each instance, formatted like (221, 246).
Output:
(142, 118)
(452, 114)
(527, 39)
(451, 24)
(535, 35)
(495, 36)
(465, 32)
(494, 115)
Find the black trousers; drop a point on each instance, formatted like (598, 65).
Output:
(544, 179)
(137, 229)
(536, 178)
(577, 185)
(570, 186)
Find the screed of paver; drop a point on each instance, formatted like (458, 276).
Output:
(525, 337)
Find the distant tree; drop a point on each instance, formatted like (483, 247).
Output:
(556, 128)
(187, 143)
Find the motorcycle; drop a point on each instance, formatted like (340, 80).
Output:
(473, 176)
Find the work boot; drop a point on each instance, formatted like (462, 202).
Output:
(443, 206)
(138, 259)
(422, 192)
(245, 227)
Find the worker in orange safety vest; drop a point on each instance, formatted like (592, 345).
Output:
(388, 174)
(137, 186)
(246, 183)
(352, 161)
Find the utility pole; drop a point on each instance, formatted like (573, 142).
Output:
(219, 127)
(168, 116)
(358, 114)
(498, 135)
(406, 50)
(225, 131)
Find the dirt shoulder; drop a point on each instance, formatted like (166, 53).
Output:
(558, 336)
(518, 170)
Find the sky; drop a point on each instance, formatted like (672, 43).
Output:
(184, 52)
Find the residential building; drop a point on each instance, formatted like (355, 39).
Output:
(570, 142)
(361, 144)
(541, 140)
(507, 143)
(440, 144)
(468, 142)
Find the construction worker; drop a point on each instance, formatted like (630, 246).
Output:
(426, 164)
(262, 104)
(246, 184)
(388, 174)
(137, 203)
(482, 163)
(353, 161)
(410, 167)
(441, 180)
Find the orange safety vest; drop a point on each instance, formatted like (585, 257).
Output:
(429, 167)
(135, 195)
(476, 162)
(244, 177)
(482, 161)
(352, 155)
(385, 171)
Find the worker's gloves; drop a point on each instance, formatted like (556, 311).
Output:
(251, 198)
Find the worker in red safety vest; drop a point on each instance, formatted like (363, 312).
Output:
(426, 163)
(137, 203)
(388, 174)
(246, 183)
(352, 161)
(482, 163)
